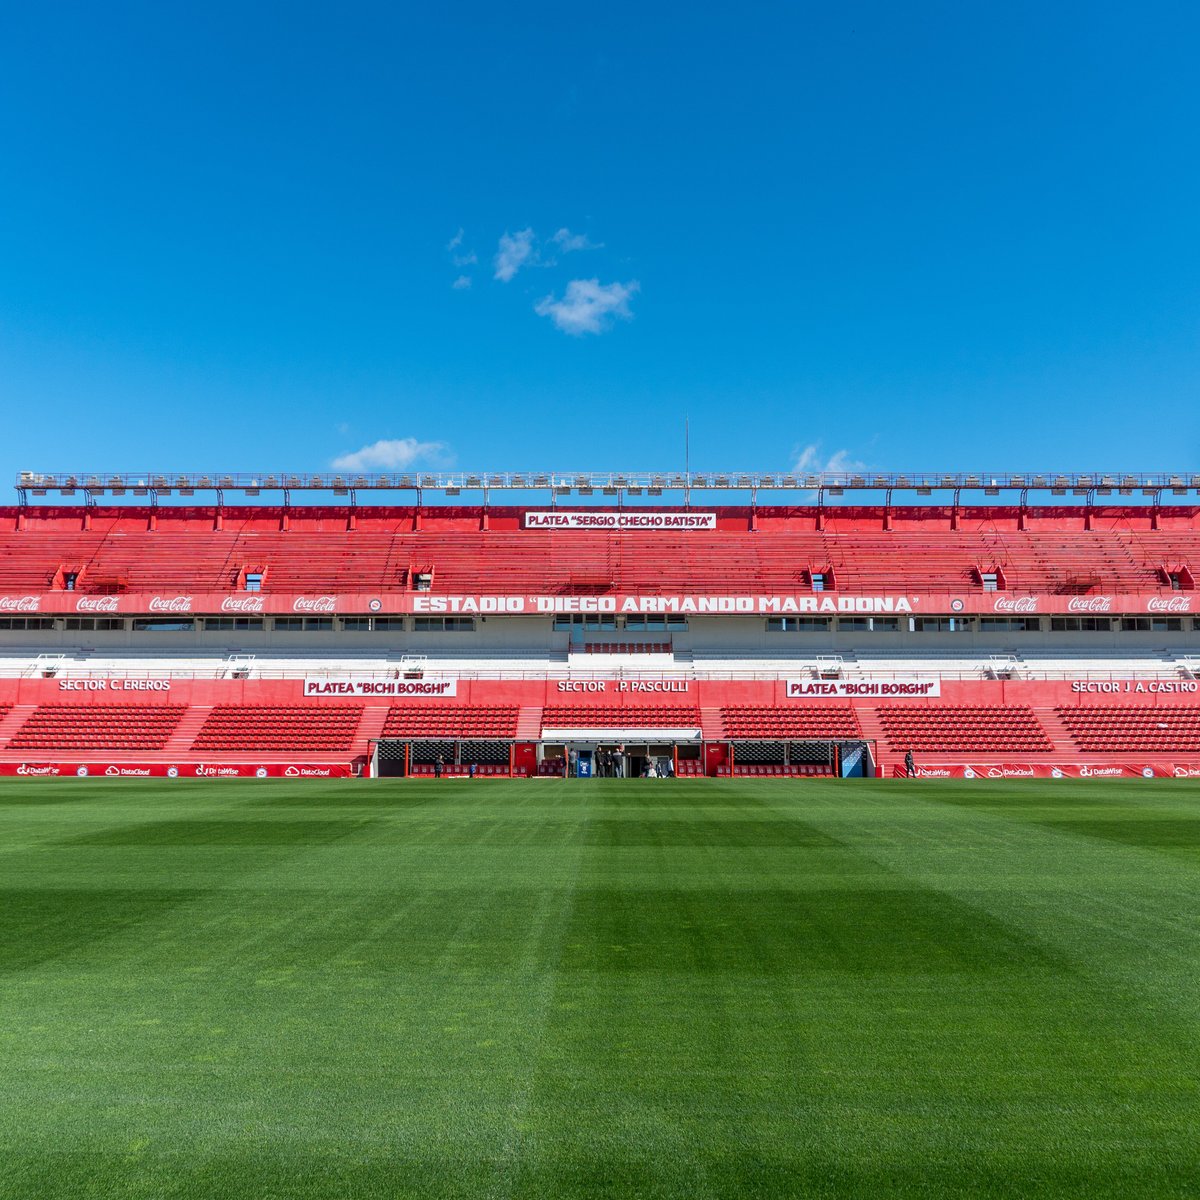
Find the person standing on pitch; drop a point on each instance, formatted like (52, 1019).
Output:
(437, 767)
(909, 766)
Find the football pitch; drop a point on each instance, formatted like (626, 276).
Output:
(599, 988)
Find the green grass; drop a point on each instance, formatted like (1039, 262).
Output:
(607, 988)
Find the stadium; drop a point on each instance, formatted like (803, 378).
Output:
(989, 626)
(552, 835)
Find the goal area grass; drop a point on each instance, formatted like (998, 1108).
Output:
(606, 988)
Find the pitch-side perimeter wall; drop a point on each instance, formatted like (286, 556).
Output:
(378, 692)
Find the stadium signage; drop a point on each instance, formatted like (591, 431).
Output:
(1089, 604)
(1051, 771)
(242, 604)
(162, 770)
(655, 686)
(1015, 604)
(660, 605)
(646, 522)
(114, 685)
(365, 686)
(532, 604)
(170, 604)
(314, 604)
(96, 604)
(1169, 604)
(1120, 687)
(899, 688)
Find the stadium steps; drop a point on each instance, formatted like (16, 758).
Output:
(180, 742)
(370, 728)
(873, 731)
(1057, 731)
(529, 723)
(13, 719)
(712, 727)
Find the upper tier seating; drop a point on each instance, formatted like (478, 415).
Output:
(67, 727)
(311, 728)
(1127, 729)
(819, 722)
(457, 722)
(954, 729)
(185, 554)
(609, 716)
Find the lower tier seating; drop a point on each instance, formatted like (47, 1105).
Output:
(611, 716)
(66, 727)
(1132, 729)
(954, 729)
(454, 722)
(279, 727)
(825, 722)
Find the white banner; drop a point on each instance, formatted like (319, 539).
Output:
(902, 687)
(368, 687)
(671, 522)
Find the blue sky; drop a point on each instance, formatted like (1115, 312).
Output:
(930, 236)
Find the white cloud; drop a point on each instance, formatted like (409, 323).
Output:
(567, 241)
(587, 306)
(810, 461)
(516, 249)
(461, 283)
(388, 454)
(467, 258)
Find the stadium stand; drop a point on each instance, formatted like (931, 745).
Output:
(279, 727)
(963, 729)
(305, 637)
(578, 716)
(456, 723)
(98, 727)
(826, 722)
(1134, 729)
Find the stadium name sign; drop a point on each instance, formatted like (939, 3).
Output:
(910, 686)
(647, 522)
(358, 686)
(662, 604)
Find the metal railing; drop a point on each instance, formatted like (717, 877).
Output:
(1022, 673)
(604, 483)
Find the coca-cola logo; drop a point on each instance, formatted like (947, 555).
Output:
(1089, 604)
(242, 604)
(1015, 604)
(170, 604)
(96, 604)
(20, 603)
(313, 604)
(1169, 604)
